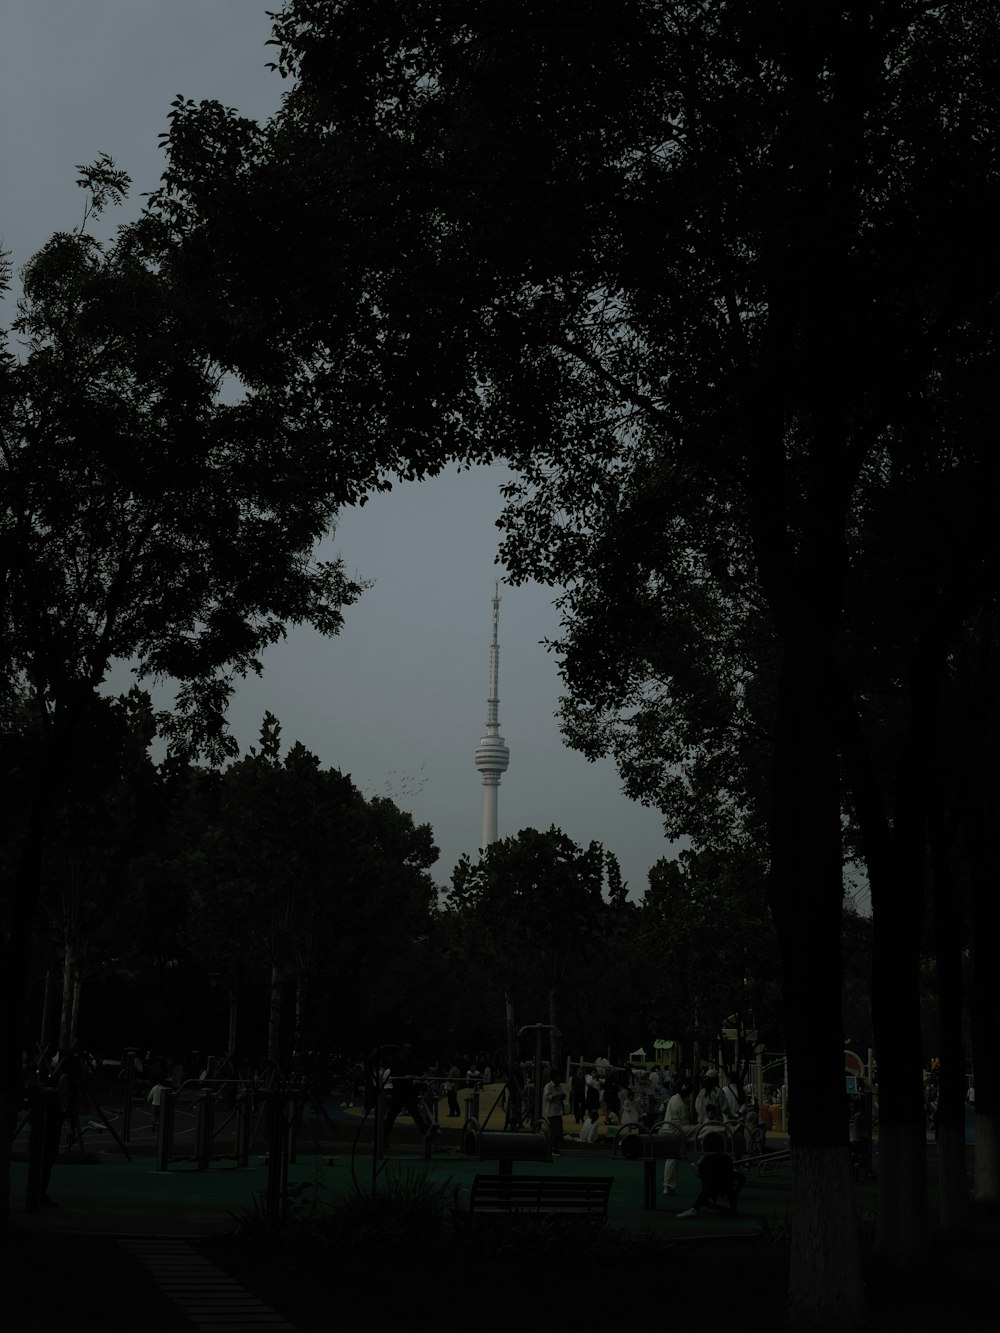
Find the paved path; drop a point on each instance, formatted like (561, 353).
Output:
(206, 1296)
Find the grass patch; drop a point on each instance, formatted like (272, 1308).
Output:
(415, 1212)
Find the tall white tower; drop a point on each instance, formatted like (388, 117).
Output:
(492, 755)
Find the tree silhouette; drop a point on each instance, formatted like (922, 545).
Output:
(713, 276)
(530, 910)
(142, 520)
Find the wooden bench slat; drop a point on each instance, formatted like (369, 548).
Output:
(579, 1195)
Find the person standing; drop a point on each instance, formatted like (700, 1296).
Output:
(629, 1109)
(553, 1110)
(578, 1094)
(677, 1121)
(451, 1091)
(709, 1095)
(155, 1096)
(592, 1096)
(404, 1094)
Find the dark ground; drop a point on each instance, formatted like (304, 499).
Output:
(71, 1266)
(82, 1282)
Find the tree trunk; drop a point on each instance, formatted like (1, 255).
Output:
(806, 887)
(68, 981)
(804, 584)
(953, 1185)
(985, 1015)
(234, 1011)
(948, 923)
(824, 1243)
(987, 1176)
(74, 1018)
(555, 1040)
(10, 1107)
(901, 1229)
(50, 1003)
(515, 1086)
(300, 1001)
(274, 1017)
(15, 952)
(897, 870)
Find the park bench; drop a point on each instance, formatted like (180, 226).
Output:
(584, 1197)
(507, 1195)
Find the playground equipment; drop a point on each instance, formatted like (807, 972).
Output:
(206, 1130)
(666, 1055)
(663, 1142)
(507, 1146)
(282, 1108)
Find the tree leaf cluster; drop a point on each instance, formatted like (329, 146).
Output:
(144, 518)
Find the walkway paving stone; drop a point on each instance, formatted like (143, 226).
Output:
(209, 1298)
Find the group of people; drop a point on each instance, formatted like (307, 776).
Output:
(687, 1114)
(416, 1088)
(625, 1096)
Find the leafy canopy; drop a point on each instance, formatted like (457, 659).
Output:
(145, 516)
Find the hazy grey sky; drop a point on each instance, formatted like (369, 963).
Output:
(398, 700)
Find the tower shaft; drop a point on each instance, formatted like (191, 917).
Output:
(492, 754)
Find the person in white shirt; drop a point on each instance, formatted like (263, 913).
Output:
(628, 1113)
(155, 1096)
(677, 1120)
(589, 1128)
(553, 1109)
(709, 1095)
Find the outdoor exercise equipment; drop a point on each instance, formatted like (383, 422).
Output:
(48, 1108)
(649, 1149)
(206, 1130)
(507, 1146)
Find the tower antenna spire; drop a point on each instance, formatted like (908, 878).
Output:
(492, 754)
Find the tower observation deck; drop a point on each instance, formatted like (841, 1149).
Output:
(492, 755)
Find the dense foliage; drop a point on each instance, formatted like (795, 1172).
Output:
(717, 279)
